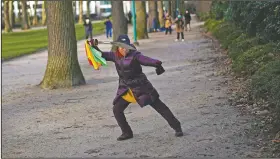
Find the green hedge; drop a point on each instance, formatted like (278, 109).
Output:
(252, 56)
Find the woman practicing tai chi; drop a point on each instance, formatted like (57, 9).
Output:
(134, 83)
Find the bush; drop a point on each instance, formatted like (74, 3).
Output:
(211, 24)
(254, 58)
(203, 16)
(266, 83)
(242, 44)
(223, 30)
(232, 36)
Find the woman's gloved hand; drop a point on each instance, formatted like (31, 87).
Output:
(94, 43)
(160, 70)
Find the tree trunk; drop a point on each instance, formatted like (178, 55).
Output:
(19, 11)
(24, 22)
(29, 16)
(63, 69)
(141, 20)
(44, 17)
(152, 14)
(169, 8)
(182, 6)
(11, 13)
(6, 17)
(174, 9)
(160, 14)
(35, 17)
(119, 20)
(81, 12)
(88, 8)
(74, 10)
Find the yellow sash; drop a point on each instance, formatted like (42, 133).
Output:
(129, 97)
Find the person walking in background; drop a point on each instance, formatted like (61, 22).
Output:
(188, 20)
(129, 16)
(179, 27)
(109, 26)
(88, 28)
(167, 24)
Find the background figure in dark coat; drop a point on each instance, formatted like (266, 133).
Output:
(88, 28)
(128, 63)
(188, 19)
(129, 16)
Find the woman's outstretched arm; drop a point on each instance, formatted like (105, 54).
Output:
(147, 61)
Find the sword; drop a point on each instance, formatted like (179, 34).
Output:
(96, 42)
(104, 42)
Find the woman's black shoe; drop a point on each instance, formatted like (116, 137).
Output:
(179, 134)
(125, 137)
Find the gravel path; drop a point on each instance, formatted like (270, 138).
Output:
(79, 122)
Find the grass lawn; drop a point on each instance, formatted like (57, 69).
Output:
(27, 42)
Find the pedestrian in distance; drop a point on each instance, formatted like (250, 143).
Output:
(134, 87)
(88, 28)
(179, 28)
(168, 24)
(108, 26)
(188, 19)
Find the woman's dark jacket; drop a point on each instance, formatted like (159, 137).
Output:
(188, 17)
(131, 76)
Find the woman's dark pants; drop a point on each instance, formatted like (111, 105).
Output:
(178, 35)
(158, 105)
(168, 30)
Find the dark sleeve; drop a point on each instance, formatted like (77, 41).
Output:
(147, 61)
(108, 56)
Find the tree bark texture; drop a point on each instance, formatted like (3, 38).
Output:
(11, 13)
(169, 8)
(63, 69)
(81, 12)
(74, 10)
(174, 8)
(24, 23)
(119, 20)
(88, 8)
(152, 14)
(44, 16)
(35, 18)
(6, 17)
(141, 20)
(160, 13)
(19, 11)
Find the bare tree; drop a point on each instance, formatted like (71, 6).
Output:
(6, 17)
(174, 7)
(44, 17)
(35, 18)
(11, 13)
(160, 13)
(81, 12)
(141, 20)
(169, 8)
(88, 8)
(152, 14)
(24, 22)
(119, 19)
(63, 69)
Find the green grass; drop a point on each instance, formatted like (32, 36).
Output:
(16, 44)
